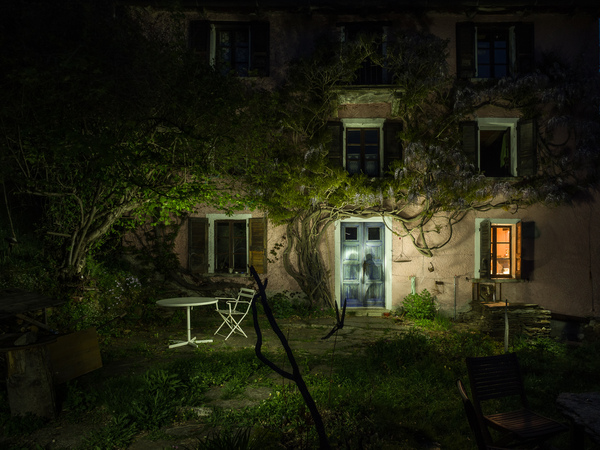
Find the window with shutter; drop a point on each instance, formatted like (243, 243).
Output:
(494, 50)
(230, 246)
(374, 70)
(223, 244)
(365, 146)
(258, 244)
(241, 48)
(335, 154)
(498, 248)
(392, 147)
(500, 147)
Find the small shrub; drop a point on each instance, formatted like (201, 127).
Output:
(420, 306)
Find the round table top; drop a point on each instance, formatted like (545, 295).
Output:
(187, 301)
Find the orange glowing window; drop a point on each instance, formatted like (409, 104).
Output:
(501, 252)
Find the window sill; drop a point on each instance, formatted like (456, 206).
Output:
(498, 280)
(227, 275)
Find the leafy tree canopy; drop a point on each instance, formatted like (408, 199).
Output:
(109, 119)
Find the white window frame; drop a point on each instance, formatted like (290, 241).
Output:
(212, 218)
(496, 123)
(364, 123)
(493, 221)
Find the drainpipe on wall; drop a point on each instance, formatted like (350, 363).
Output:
(455, 277)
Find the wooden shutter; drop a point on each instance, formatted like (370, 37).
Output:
(392, 147)
(518, 243)
(257, 243)
(198, 245)
(199, 39)
(335, 147)
(470, 142)
(465, 50)
(526, 148)
(528, 236)
(485, 245)
(259, 48)
(524, 45)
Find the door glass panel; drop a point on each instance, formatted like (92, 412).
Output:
(351, 254)
(351, 234)
(351, 272)
(374, 234)
(372, 137)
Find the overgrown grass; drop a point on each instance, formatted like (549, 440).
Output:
(393, 393)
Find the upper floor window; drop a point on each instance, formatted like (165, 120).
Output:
(373, 70)
(494, 50)
(241, 48)
(366, 146)
(501, 147)
(363, 151)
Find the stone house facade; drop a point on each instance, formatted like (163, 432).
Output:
(548, 256)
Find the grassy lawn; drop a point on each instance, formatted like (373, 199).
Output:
(398, 392)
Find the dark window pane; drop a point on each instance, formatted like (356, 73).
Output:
(483, 72)
(374, 234)
(353, 136)
(351, 234)
(371, 137)
(500, 56)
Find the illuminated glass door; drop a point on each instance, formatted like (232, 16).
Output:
(362, 264)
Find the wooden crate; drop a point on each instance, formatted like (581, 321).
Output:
(74, 354)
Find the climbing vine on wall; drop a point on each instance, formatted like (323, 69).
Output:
(436, 184)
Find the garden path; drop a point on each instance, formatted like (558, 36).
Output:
(141, 347)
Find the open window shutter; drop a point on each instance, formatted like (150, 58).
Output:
(528, 235)
(199, 38)
(259, 48)
(392, 148)
(485, 245)
(198, 245)
(465, 50)
(518, 243)
(470, 142)
(335, 147)
(258, 244)
(525, 57)
(526, 148)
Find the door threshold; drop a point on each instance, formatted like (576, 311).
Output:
(362, 311)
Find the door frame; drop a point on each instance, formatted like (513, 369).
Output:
(387, 239)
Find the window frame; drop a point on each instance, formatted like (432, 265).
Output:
(483, 255)
(520, 48)
(231, 251)
(219, 27)
(510, 50)
(350, 31)
(523, 143)
(364, 124)
(202, 38)
(499, 124)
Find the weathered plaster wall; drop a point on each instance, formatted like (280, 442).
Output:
(566, 245)
(566, 262)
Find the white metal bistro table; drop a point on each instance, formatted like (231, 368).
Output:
(188, 303)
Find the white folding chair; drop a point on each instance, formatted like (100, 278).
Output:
(237, 309)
